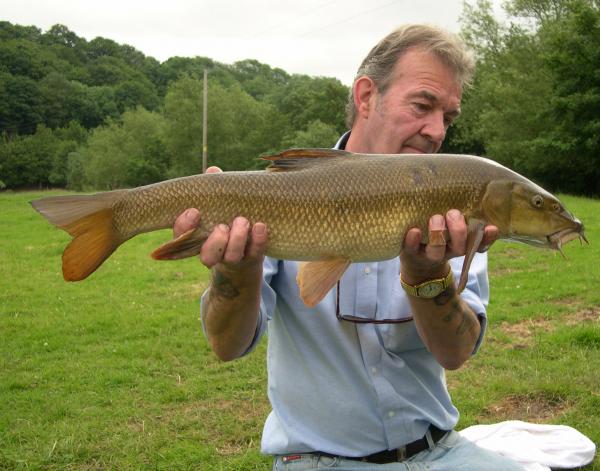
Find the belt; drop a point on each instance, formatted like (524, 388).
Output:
(398, 454)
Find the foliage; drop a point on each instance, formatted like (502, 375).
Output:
(535, 105)
(124, 153)
(39, 159)
(54, 78)
(316, 134)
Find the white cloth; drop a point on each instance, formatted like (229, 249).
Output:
(537, 447)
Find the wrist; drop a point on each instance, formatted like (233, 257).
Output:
(429, 288)
(414, 276)
(241, 269)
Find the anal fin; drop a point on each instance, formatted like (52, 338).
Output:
(316, 279)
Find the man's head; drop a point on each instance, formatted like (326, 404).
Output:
(415, 67)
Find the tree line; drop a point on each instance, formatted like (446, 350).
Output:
(100, 115)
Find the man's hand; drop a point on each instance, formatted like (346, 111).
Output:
(448, 326)
(421, 262)
(234, 255)
(237, 246)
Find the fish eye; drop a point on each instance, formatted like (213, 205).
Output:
(537, 201)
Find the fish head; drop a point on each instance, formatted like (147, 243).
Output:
(525, 212)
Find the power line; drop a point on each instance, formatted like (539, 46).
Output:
(362, 13)
(294, 20)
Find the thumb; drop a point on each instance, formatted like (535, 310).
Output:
(187, 220)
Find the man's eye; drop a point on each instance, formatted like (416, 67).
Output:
(421, 107)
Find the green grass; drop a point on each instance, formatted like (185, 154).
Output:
(115, 373)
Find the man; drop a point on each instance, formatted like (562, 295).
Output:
(364, 395)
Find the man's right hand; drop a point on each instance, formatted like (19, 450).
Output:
(235, 255)
(237, 246)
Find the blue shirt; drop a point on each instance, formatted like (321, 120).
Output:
(346, 388)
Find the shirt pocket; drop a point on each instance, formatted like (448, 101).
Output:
(402, 336)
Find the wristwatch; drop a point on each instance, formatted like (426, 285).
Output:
(430, 288)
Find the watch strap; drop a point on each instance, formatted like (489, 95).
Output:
(414, 290)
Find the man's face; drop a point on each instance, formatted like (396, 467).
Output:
(412, 116)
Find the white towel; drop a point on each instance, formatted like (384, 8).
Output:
(537, 447)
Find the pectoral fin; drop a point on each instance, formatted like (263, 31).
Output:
(315, 279)
(187, 244)
(474, 238)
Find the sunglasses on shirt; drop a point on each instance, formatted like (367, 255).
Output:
(363, 320)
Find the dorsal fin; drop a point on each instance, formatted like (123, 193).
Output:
(296, 159)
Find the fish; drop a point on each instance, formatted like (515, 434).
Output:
(326, 208)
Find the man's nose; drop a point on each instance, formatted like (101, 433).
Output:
(434, 128)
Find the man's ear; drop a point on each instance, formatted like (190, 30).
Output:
(364, 92)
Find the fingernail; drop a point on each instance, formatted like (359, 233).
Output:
(192, 216)
(224, 228)
(259, 229)
(453, 214)
(437, 221)
(241, 222)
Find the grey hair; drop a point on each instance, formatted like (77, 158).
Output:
(381, 60)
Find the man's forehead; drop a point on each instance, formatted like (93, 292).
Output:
(425, 67)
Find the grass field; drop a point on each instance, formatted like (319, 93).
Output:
(114, 372)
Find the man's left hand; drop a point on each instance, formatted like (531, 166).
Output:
(425, 261)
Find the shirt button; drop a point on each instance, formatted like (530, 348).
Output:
(367, 270)
(391, 414)
(374, 370)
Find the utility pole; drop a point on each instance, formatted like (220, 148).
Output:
(204, 122)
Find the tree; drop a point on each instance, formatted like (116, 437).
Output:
(240, 128)
(123, 153)
(26, 161)
(19, 105)
(316, 134)
(535, 106)
(305, 99)
(572, 55)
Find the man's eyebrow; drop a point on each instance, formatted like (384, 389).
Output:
(434, 99)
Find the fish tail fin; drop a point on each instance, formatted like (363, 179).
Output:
(89, 219)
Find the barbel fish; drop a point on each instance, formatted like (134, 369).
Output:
(322, 206)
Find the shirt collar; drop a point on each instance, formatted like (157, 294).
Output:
(341, 143)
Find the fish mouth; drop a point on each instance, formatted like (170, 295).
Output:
(559, 238)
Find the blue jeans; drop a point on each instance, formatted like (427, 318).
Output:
(451, 453)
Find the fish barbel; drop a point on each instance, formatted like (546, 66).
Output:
(323, 206)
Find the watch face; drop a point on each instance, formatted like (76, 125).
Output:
(430, 290)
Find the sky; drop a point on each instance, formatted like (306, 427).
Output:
(314, 37)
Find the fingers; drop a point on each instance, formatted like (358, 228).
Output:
(213, 170)
(236, 244)
(490, 235)
(435, 250)
(412, 241)
(457, 229)
(214, 247)
(187, 220)
(238, 238)
(447, 236)
(258, 242)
